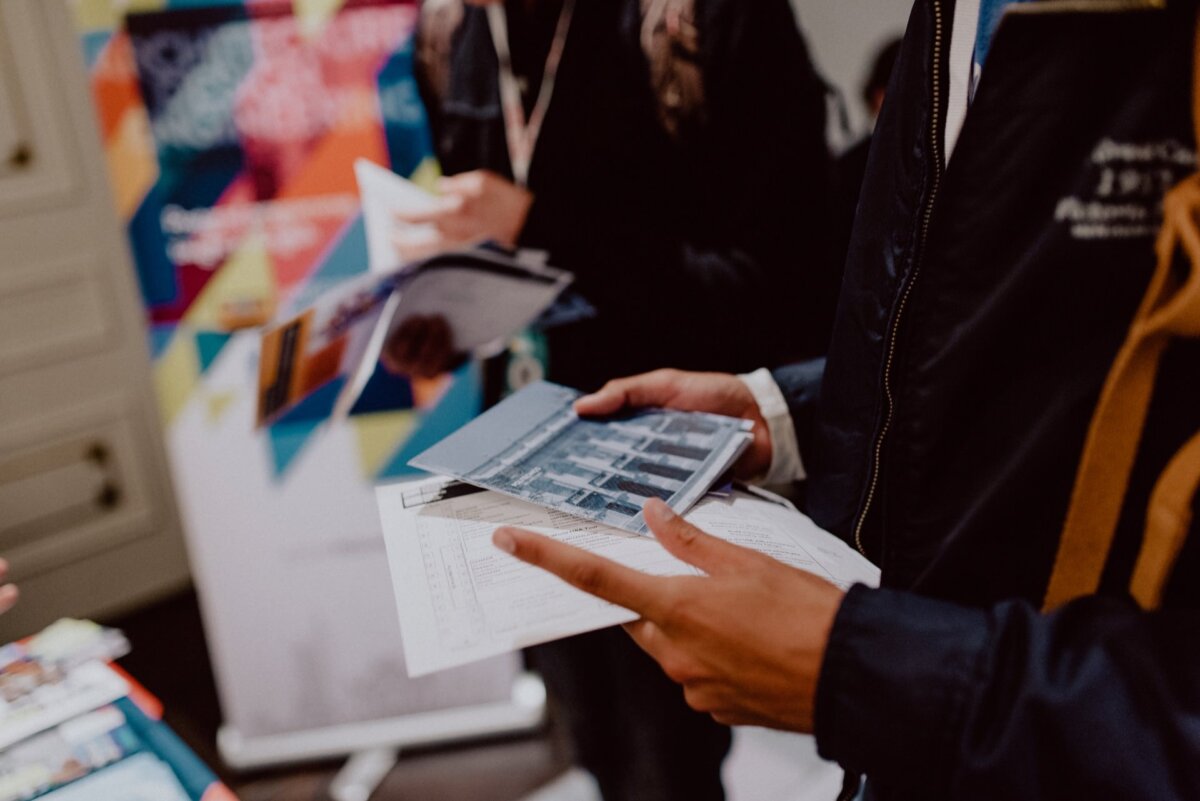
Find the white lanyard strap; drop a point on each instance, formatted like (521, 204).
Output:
(521, 134)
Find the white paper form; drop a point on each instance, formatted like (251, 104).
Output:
(460, 599)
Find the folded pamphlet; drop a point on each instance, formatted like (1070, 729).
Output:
(483, 294)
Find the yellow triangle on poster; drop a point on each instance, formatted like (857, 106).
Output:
(132, 167)
(218, 404)
(106, 15)
(245, 277)
(426, 174)
(312, 15)
(379, 435)
(176, 374)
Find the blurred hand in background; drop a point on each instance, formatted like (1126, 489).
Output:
(473, 207)
(8, 592)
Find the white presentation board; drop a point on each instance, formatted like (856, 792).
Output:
(296, 597)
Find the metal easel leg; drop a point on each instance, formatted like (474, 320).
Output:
(362, 774)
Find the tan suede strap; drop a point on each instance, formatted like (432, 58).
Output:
(1171, 308)
(1167, 525)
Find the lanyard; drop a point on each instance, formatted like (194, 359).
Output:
(522, 134)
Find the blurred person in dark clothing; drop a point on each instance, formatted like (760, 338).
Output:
(671, 154)
(852, 165)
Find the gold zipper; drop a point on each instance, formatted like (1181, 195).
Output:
(936, 145)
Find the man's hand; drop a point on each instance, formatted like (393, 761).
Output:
(746, 641)
(8, 592)
(718, 393)
(473, 207)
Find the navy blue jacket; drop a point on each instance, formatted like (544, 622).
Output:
(982, 307)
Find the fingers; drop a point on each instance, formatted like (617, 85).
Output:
(649, 637)
(593, 574)
(648, 389)
(438, 212)
(8, 597)
(465, 183)
(9, 592)
(688, 543)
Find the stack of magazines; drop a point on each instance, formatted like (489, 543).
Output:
(71, 729)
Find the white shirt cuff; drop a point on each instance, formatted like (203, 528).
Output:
(786, 464)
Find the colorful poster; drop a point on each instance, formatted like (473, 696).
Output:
(231, 129)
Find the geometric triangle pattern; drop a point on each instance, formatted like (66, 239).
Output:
(383, 392)
(346, 258)
(208, 347)
(160, 337)
(287, 440)
(312, 15)
(218, 404)
(246, 276)
(288, 436)
(176, 374)
(378, 436)
(460, 404)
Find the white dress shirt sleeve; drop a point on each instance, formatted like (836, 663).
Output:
(786, 464)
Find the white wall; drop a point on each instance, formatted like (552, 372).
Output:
(844, 36)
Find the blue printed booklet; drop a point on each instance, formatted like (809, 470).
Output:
(534, 447)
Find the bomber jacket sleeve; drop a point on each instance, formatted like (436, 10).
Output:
(1098, 700)
(764, 272)
(800, 384)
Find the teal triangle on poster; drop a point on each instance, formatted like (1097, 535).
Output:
(345, 258)
(287, 440)
(93, 45)
(208, 346)
(384, 392)
(458, 406)
(179, 4)
(405, 123)
(159, 337)
(292, 432)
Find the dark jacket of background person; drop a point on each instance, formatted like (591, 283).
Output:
(851, 166)
(693, 248)
(982, 307)
(676, 241)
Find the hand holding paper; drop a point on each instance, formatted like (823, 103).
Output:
(746, 640)
(460, 599)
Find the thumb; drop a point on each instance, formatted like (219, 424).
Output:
(648, 389)
(607, 400)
